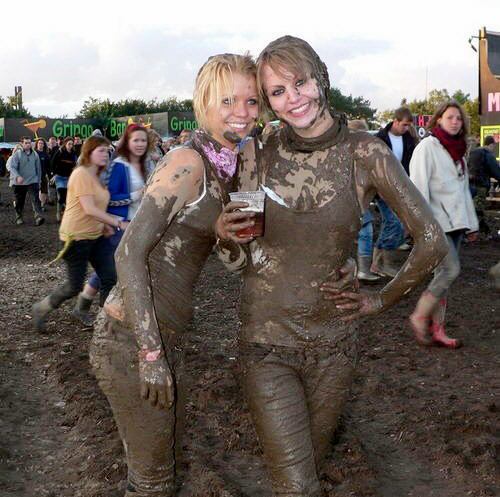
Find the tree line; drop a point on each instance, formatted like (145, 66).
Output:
(355, 107)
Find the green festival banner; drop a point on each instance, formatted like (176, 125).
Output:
(164, 123)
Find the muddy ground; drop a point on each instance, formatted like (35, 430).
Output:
(421, 422)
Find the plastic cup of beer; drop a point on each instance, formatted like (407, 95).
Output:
(256, 202)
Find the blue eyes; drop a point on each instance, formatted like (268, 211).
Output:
(230, 101)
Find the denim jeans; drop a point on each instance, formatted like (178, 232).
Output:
(449, 268)
(77, 258)
(62, 189)
(391, 234)
(365, 235)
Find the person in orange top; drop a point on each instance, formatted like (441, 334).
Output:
(84, 227)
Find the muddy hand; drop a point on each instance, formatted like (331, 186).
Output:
(344, 278)
(114, 310)
(157, 384)
(232, 220)
(355, 305)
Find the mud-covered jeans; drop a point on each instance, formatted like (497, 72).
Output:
(449, 268)
(295, 397)
(151, 437)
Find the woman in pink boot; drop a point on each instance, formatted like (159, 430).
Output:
(439, 170)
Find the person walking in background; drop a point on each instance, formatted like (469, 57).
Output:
(84, 227)
(397, 136)
(439, 170)
(365, 235)
(184, 136)
(63, 163)
(482, 167)
(52, 148)
(25, 177)
(77, 145)
(155, 151)
(41, 150)
(125, 178)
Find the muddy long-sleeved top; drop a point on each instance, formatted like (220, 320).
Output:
(166, 245)
(317, 190)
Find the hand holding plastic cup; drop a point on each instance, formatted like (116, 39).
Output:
(256, 203)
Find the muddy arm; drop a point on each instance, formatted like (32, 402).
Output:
(378, 171)
(176, 181)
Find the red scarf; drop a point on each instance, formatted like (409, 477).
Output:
(455, 145)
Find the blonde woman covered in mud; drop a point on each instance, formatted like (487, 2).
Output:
(136, 350)
(297, 348)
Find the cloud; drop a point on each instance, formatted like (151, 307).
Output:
(157, 63)
(126, 50)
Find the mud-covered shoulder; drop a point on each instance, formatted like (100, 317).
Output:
(181, 170)
(368, 150)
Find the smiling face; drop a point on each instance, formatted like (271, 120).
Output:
(138, 143)
(236, 113)
(296, 100)
(451, 121)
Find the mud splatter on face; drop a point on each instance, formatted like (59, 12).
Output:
(294, 55)
(232, 137)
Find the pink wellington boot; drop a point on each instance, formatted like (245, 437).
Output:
(439, 336)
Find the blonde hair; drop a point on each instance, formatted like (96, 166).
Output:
(215, 81)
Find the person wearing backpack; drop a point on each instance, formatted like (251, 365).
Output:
(482, 167)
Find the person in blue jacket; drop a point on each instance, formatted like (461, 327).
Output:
(125, 178)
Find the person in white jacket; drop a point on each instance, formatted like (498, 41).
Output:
(438, 169)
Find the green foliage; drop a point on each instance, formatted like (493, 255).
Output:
(354, 107)
(8, 108)
(436, 98)
(471, 108)
(103, 110)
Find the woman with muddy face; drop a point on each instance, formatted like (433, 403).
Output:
(136, 350)
(439, 171)
(298, 336)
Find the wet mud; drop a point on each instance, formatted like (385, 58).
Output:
(419, 421)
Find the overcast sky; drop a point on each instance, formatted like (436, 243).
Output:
(61, 53)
